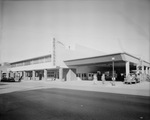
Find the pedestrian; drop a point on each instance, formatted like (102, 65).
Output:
(113, 81)
(40, 76)
(20, 78)
(103, 78)
(122, 77)
(94, 79)
(98, 75)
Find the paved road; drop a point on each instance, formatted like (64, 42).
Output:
(141, 89)
(64, 104)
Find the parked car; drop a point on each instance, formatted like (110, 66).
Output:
(10, 79)
(131, 78)
(5, 79)
(137, 78)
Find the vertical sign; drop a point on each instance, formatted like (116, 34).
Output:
(54, 52)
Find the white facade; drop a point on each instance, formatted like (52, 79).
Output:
(66, 64)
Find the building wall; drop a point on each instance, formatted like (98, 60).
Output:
(87, 69)
(62, 53)
(32, 64)
(4, 69)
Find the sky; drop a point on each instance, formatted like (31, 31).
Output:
(110, 26)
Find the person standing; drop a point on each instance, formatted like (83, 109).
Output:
(98, 75)
(94, 79)
(103, 78)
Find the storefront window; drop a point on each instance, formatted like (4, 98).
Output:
(50, 74)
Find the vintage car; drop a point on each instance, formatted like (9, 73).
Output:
(5, 79)
(131, 78)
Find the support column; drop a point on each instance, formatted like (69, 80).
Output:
(45, 74)
(60, 74)
(33, 75)
(142, 69)
(146, 70)
(127, 68)
(24, 75)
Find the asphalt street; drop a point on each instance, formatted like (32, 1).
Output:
(67, 104)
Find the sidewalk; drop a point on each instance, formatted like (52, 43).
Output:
(142, 89)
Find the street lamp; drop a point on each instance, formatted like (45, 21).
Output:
(113, 77)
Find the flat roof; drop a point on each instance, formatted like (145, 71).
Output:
(99, 56)
(105, 58)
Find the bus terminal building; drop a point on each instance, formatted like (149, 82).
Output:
(80, 64)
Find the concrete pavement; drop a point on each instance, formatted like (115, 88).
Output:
(142, 89)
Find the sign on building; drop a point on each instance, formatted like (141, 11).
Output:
(54, 52)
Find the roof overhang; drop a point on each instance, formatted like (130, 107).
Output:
(118, 57)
